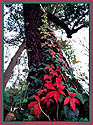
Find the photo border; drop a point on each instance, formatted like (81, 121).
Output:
(90, 63)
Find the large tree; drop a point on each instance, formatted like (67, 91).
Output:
(33, 22)
(69, 17)
(33, 37)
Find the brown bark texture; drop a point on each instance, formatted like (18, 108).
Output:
(32, 18)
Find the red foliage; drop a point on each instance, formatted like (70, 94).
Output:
(47, 101)
(49, 67)
(41, 91)
(72, 100)
(56, 93)
(53, 89)
(47, 77)
(35, 106)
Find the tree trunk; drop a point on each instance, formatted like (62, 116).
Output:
(32, 18)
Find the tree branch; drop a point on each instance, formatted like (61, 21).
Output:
(80, 27)
(76, 22)
(64, 26)
(60, 23)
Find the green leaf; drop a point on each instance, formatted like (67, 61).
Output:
(83, 120)
(30, 117)
(33, 77)
(29, 50)
(63, 69)
(25, 70)
(61, 98)
(58, 65)
(63, 83)
(17, 103)
(23, 88)
(57, 56)
(25, 100)
(82, 97)
(41, 69)
(30, 70)
(49, 8)
(42, 64)
(85, 98)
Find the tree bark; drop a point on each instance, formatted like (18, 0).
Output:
(32, 18)
(12, 64)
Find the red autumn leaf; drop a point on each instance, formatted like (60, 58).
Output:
(76, 100)
(42, 99)
(66, 101)
(50, 94)
(48, 104)
(72, 100)
(35, 106)
(46, 85)
(45, 101)
(58, 79)
(61, 92)
(58, 69)
(59, 54)
(60, 59)
(49, 67)
(37, 110)
(51, 87)
(53, 55)
(37, 98)
(50, 45)
(48, 81)
(32, 104)
(56, 96)
(72, 104)
(73, 94)
(51, 100)
(45, 90)
(68, 92)
(54, 73)
(40, 92)
(47, 77)
(59, 85)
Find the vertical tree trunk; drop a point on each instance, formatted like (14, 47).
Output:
(32, 16)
